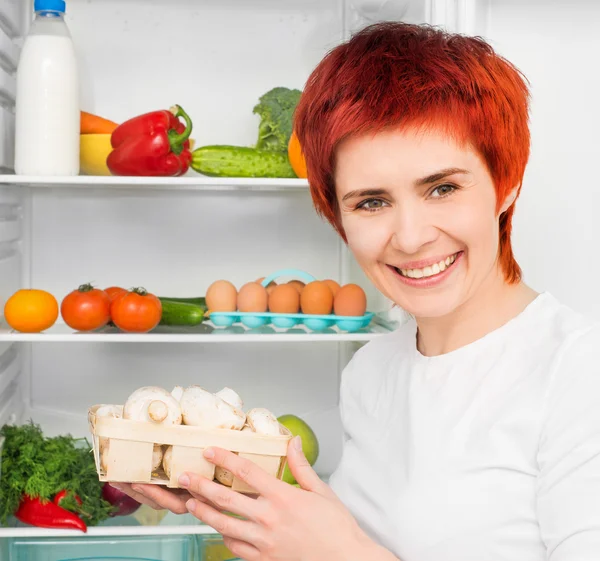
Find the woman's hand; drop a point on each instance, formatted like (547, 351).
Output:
(156, 496)
(284, 522)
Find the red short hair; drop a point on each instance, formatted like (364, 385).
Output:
(398, 74)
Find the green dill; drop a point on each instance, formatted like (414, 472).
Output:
(41, 467)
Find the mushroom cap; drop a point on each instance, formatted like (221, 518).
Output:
(149, 404)
(104, 457)
(262, 421)
(115, 411)
(223, 476)
(166, 461)
(201, 408)
(177, 392)
(157, 456)
(231, 397)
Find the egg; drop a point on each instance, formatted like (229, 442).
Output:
(252, 297)
(270, 286)
(350, 300)
(284, 299)
(221, 296)
(299, 285)
(316, 298)
(333, 286)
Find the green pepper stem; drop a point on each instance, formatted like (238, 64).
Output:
(175, 139)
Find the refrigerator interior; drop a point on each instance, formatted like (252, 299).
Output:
(215, 58)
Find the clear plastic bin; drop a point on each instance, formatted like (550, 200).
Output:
(105, 548)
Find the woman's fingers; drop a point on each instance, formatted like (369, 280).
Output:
(221, 498)
(139, 497)
(241, 530)
(245, 470)
(303, 472)
(173, 500)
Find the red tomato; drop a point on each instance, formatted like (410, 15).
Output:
(113, 292)
(86, 308)
(136, 311)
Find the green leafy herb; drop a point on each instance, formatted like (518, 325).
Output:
(41, 467)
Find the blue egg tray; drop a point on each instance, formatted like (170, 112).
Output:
(314, 322)
(286, 321)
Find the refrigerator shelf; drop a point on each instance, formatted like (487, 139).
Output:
(32, 531)
(204, 333)
(188, 182)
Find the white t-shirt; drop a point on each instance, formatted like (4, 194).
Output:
(488, 453)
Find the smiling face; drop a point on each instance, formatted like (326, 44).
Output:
(419, 214)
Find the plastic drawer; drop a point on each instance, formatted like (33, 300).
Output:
(105, 548)
(213, 549)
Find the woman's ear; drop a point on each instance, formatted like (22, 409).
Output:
(510, 199)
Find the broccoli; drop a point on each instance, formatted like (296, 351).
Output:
(276, 111)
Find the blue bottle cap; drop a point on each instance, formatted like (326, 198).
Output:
(50, 6)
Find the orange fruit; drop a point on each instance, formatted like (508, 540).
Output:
(295, 156)
(31, 310)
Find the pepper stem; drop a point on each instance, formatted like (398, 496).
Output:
(177, 140)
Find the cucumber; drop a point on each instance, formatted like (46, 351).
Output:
(240, 161)
(198, 301)
(181, 313)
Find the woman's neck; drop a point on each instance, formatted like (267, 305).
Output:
(494, 304)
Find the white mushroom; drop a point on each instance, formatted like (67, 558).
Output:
(262, 421)
(231, 397)
(201, 408)
(166, 462)
(177, 392)
(104, 455)
(154, 405)
(116, 412)
(157, 456)
(223, 476)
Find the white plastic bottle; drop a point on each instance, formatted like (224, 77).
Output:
(47, 104)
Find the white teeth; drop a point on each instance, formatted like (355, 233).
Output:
(430, 270)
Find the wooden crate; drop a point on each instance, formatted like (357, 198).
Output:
(130, 445)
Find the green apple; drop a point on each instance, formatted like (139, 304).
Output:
(310, 444)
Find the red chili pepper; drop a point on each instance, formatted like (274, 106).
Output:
(155, 143)
(47, 515)
(60, 496)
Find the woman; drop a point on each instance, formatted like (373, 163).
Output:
(473, 431)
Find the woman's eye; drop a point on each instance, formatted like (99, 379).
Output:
(372, 204)
(443, 191)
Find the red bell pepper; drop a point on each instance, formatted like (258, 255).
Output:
(155, 143)
(47, 515)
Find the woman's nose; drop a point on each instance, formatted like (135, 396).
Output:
(412, 229)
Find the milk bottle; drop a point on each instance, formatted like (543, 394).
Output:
(47, 103)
